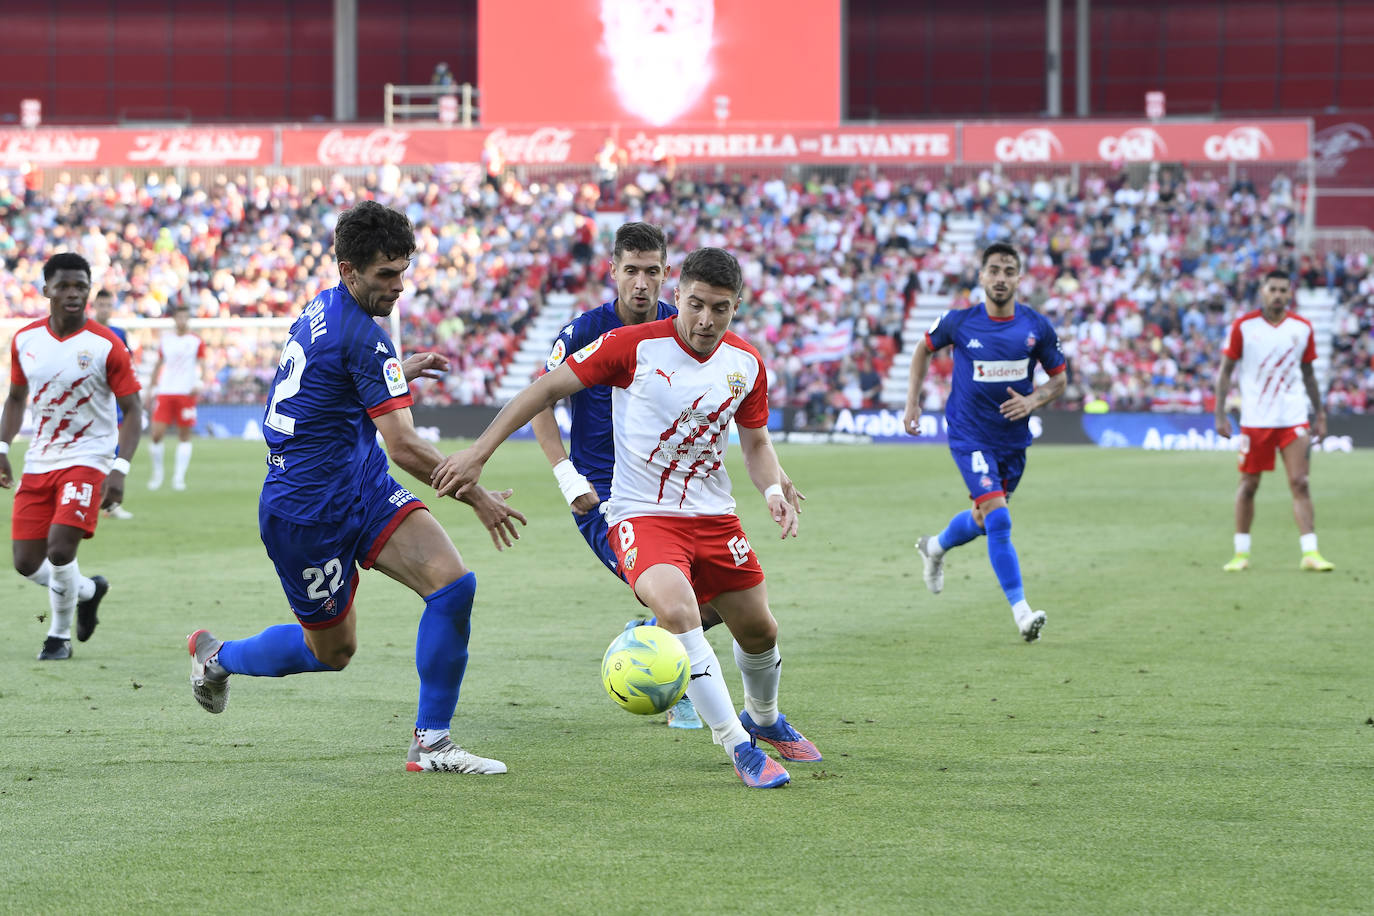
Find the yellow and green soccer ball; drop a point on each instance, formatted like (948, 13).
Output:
(646, 670)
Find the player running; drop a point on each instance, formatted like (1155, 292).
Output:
(72, 372)
(1275, 349)
(639, 267)
(991, 398)
(177, 377)
(677, 385)
(329, 505)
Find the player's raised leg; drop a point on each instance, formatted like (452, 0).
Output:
(960, 530)
(420, 555)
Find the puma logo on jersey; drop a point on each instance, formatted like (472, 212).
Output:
(667, 375)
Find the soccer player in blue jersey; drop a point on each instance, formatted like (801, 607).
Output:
(330, 505)
(103, 309)
(993, 392)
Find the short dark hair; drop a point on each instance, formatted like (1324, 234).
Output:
(65, 260)
(639, 237)
(1001, 248)
(1277, 274)
(714, 267)
(179, 306)
(368, 230)
(104, 294)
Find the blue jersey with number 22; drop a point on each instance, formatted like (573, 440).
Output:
(337, 371)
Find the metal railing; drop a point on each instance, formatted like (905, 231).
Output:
(442, 104)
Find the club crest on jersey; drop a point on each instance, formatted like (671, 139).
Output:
(556, 356)
(985, 482)
(630, 556)
(736, 382)
(585, 353)
(84, 360)
(1030, 341)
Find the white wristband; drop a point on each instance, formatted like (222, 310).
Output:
(4, 448)
(774, 490)
(121, 465)
(570, 481)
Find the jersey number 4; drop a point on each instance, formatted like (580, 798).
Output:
(293, 361)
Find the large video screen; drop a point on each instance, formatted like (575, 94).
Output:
(659, 62)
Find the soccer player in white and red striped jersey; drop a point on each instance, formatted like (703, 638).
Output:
(1275, 349)
(177, 379)
(71, 372)
(676, 385)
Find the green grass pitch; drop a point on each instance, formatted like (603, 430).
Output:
(1179, 741)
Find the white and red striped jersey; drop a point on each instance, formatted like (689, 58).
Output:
(181, 355)
(671, 410)
(1269, 360)
(73, 382)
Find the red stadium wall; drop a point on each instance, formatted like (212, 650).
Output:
(104, 61)
(100, 61)
(1210, 57)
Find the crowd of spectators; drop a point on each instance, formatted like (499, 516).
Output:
(1141, 272)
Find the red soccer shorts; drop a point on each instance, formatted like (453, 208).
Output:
(175, 410)
(711, 551)
(69, 496)
(1259, 443)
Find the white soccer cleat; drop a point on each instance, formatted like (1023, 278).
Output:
(118, 511)
(1030, 625)
(447, 757)
(155, 482)
(210, 692)
(178, 484)
(933, 570)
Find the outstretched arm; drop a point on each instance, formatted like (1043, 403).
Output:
(419, 459)
(462, 469)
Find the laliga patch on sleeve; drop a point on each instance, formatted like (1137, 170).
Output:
(556, 356)
(585, 353)
(395, 378)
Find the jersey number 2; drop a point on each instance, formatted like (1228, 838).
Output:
(293, 361)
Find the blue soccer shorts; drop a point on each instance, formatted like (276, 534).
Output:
(593, 529)
(989, 472)
(318, 562)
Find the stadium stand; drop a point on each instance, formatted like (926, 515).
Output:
(1141, 271)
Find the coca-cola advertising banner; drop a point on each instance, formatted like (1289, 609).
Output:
(76, 147)
(556, 144)
(1125, 141)
(560, 145)
(652, 63)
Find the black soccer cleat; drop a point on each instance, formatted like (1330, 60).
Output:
(85, 610)
(55, 649)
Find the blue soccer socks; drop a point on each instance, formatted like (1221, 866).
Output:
(960, 530)
(275, 652)
(441, 650)
(1002, 554)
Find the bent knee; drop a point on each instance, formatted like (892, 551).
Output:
(336, 657)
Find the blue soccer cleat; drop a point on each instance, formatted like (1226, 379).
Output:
(757, 769)
(790, 743)
(683, 715)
